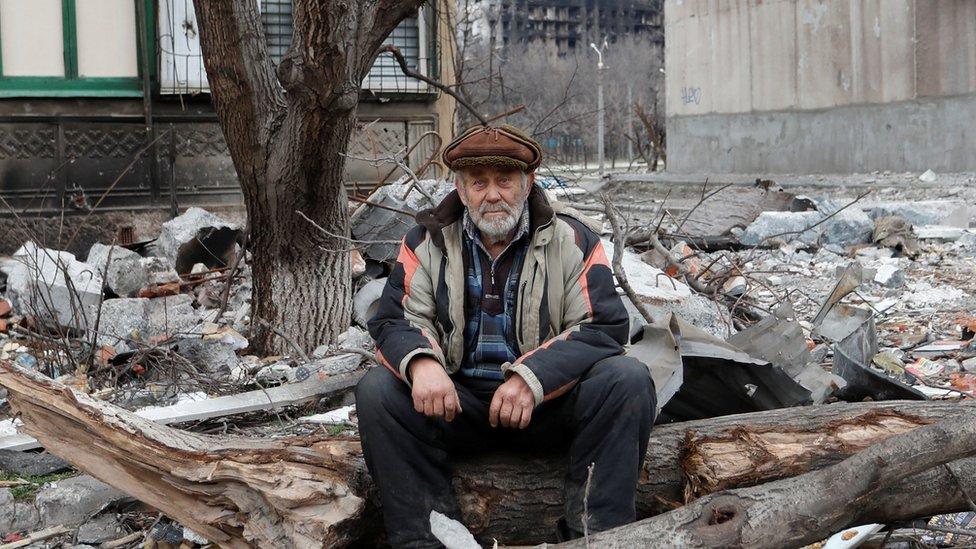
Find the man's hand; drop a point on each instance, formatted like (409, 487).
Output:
(433, 391)
(512, 404)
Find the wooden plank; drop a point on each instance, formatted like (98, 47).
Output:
(262, 399)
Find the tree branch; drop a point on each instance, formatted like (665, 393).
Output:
(402, 61)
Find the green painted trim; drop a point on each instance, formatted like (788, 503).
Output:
(150, 40)
(69, 29)
(41, 86)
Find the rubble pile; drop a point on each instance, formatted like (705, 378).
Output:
(773, 299)
(852, 300)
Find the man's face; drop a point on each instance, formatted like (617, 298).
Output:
(494, 198)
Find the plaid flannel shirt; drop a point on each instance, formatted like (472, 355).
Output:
(489, 333)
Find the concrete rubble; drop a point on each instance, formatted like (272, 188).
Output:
(197, 236)
(805, 302)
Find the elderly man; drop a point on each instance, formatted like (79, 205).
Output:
(500, 327)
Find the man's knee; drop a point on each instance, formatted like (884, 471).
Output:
(378, 394)
(626, 374)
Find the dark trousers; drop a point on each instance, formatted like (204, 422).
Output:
(604, 420)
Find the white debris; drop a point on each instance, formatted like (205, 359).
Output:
(451, 533)
(927, 177)
(53, 286)
(339, 415)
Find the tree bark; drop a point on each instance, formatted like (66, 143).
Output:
(287, 132)
(796, 511)
(315, 492)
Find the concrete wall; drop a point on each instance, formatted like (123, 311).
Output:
(820, 85)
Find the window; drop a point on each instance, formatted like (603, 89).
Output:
(411, 36)
(70, 48)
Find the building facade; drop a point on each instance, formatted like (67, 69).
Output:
(106, 101)
(564, 25)
(820, 86)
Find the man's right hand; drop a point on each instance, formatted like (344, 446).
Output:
(433, 392)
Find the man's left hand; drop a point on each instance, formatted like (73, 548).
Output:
(512, 404)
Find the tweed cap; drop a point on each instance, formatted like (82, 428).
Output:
(503, 146)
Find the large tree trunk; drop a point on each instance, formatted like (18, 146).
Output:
(314, 492)
(287, 134)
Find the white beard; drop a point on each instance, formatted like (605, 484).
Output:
(496, 229)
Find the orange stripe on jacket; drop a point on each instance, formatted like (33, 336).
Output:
(384, 362)
(560, 337)
(597, 257)
(410, 264)
(560, 391)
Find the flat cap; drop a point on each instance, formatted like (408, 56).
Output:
(503, 146)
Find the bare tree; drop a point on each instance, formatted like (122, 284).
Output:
(287, 131)
(559, 91)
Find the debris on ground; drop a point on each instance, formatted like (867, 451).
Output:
(790, 299)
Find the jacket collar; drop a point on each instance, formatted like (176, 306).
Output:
(451, 210)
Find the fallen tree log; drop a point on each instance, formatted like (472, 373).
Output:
(314, 492)
(799, 510)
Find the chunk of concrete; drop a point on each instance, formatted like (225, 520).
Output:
(53, 286)
(127, 320)
(100, 529)
(16, 516)
(372, 223)
(451, 533)
(890, 275)
(917, 212)
(17, 463)
(99, 255)
(772, 227)
(73, 501)
(197, 236)
(123, 269)
(366, 301)
(209, 355)
(847, 228)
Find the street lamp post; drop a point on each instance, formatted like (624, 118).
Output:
(599, 104)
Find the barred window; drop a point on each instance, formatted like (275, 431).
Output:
(276, 18)
(385, 76)
(181, 62)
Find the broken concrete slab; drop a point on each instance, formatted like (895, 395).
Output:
(889, 275)
(208, 355)
(371, 223)
(99, 255)
(138, 319)
(197, 236)
(773, 228)
(939, 232)
(53, 286)
(921, 212)
(100, 529)
(366, 301)
(847, 228)
(73, 501)
(16, 516)
(733, 207)
(31, 463)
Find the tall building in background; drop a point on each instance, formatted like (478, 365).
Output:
(565, 25)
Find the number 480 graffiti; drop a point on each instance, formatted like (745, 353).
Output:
(691, 95)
